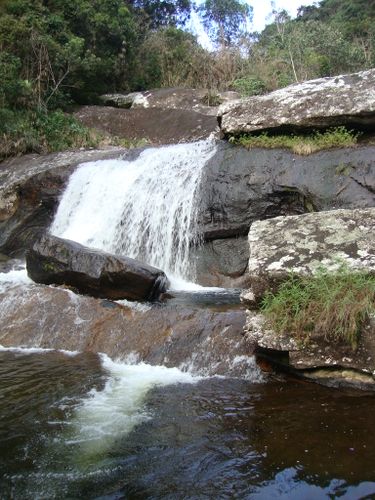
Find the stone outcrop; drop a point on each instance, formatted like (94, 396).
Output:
(156, 126)
(325, 102)
(239, 186)
(198, 100)
(56, 261)
(299, 244)
(334, 364)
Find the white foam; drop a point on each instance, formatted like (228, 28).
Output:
(14, 278)
(36, 350)
(110, 414)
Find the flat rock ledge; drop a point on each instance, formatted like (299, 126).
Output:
(320, 103)
(56, 261)
(335, 365)
(302, 243)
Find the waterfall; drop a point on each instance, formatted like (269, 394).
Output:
(145, 209)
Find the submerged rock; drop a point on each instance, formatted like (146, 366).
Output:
(325, 102)
(56, 261)
(204, 340)
(299, 244)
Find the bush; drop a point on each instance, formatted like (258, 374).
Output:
(248, 86)
(330, 304)
(338, 137)
(26, 132)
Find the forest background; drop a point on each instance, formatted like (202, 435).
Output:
(57, 53)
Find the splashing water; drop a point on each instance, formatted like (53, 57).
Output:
(145, 209)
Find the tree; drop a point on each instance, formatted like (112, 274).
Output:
(225, 20)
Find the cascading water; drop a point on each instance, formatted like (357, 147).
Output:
(145, 209)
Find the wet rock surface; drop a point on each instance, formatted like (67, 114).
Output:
(206, 340)
(325, 102)
(156, 126)
(56, 261)
(300, 244)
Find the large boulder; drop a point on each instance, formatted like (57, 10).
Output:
(56, 261)
(199, 100)
(157, 126)
(300, 244)
(325, 102)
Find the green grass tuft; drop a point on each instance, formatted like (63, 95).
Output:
(334, 305)
(338, 137)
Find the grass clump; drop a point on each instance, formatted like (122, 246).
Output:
(334, 305)
(337, 137)
(41, 132)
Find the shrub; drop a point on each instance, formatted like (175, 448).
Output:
(338, 137)
(332, 304)
(29, 131)
(248, 86)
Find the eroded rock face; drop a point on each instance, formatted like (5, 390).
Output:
(237, 188)
(56, 261)
(325, 102)
(335, 364)
(299, 244)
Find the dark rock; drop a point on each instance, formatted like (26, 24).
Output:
(154, 125)
(57, 261)
(325, 102)
(223, 262)
(299, 244)
(239, 186)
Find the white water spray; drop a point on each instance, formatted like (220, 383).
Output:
(145, 209)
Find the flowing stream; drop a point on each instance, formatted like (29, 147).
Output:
(175, 408)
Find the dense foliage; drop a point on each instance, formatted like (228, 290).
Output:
(57, 52)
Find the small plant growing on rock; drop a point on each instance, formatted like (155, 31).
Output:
(333, 305)
(338, 137)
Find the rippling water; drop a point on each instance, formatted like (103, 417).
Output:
(81, 426)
